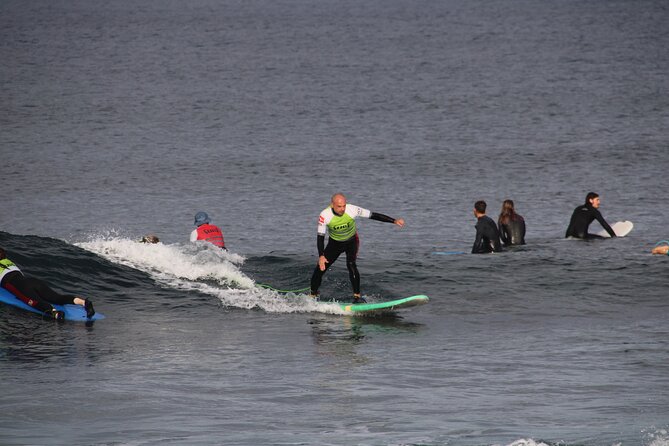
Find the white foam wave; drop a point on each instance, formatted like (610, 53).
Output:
(165, 263)
(204, 268)
(268, 300)
(658, 437)
(654, 437)
(527, 442)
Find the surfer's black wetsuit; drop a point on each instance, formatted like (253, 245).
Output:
(512, 232)
(487, 236)
(34, 292)
(580, 221)
(331, 252)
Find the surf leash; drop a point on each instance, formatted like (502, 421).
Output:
(268, 287)
(662, 242)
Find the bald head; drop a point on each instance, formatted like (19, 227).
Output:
(338, 203)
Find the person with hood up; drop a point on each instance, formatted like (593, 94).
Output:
(206, 231)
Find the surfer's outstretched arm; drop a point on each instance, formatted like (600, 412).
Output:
(384, 218)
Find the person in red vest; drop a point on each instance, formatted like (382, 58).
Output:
(207, 231)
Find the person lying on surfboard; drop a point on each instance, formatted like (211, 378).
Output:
(584, 215)
(487, 235)
(35, 292)
(338, 221)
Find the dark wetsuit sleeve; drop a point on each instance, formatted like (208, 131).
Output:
(320, 242)
(381, 217)
(577, 224)
(569, 230)
(605, 225)
(478, 242)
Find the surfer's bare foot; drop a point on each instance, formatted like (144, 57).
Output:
(357, 299)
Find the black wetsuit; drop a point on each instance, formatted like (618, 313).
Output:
(331, 252)
(487, 236)
(512, 232)
(581, 219)
(34, 292)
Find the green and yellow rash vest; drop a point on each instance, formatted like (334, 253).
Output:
(6, 267)
(340, 227)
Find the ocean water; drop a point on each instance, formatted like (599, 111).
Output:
(119, 119)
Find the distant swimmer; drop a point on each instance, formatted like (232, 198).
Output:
(207, 231)
(338, 221)
(35, 292)
(661, 248)
(584, 215)
(150, 238)
(487, 235)
(511, 225)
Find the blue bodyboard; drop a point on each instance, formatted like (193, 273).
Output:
(75, 313)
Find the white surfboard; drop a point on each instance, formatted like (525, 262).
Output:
(621, 228)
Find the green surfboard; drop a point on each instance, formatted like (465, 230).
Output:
(379, 307)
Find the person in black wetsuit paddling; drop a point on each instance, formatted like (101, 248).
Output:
(487, 235)
(338, 222)
(584, 215)
(511, 225)
(35, 292)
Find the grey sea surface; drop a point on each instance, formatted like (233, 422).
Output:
(120, 118)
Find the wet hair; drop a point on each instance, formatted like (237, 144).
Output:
(508, 212)
(3, 255)
(590, 196)
(150, 238)
(480, 206)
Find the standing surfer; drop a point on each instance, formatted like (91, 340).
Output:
(338, 221)
(584, 215)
